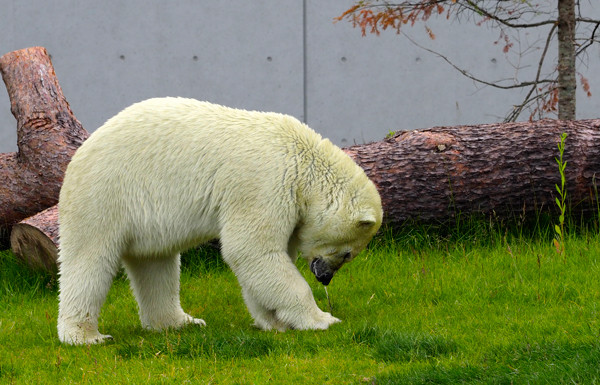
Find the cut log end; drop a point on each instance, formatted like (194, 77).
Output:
(33, 247)
(35, 240)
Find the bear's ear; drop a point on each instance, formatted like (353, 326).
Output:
(366, 220)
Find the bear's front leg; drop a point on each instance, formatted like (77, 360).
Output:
(263, 318)
(276, 294)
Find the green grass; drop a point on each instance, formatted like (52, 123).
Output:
(479, 303)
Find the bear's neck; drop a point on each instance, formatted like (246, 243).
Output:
(322, 174)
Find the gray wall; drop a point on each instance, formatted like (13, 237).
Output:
(286, 56)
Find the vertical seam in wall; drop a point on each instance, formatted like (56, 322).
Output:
(304, 64)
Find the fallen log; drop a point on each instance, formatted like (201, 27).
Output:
(47, 136)
(433, 175)
(504, 170)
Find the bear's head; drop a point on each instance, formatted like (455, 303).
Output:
(339, 225)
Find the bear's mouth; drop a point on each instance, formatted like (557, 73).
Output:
(322, 271)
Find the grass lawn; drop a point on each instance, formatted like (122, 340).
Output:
(477, 305)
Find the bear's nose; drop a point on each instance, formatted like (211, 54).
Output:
(322, 271)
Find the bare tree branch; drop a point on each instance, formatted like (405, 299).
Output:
(587, 20)
(513, 116)
(476, 79)
(470, 5)
(591, 40)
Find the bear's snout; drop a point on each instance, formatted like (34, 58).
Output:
(322, 271)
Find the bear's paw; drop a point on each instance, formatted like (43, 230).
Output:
(85, 339)
(324, 321)
(196, 321)
(316, 321)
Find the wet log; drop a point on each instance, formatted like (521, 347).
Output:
(505, 170)
(47, 136)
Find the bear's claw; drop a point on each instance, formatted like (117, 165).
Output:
(83, 340)
(197, 321)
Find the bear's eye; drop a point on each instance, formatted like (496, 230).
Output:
(347, 256)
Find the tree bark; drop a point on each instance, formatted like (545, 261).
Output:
(504, 170)
(47, 136)
(567, 82)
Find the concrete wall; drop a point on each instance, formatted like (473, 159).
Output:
(286, 56)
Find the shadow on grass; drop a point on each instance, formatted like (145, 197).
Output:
(203, 259)
(200, 345)
(16, 277)
(392, 346)
(547, 362)
(8, 373)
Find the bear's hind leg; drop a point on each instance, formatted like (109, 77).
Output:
(84, 281)
(155, 285)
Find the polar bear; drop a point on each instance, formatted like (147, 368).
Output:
(167, 174)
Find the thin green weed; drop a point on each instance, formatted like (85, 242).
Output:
(561, 200)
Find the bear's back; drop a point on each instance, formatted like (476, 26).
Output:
(175, 133)
(188, 124)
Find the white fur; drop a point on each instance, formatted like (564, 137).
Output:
(167, 174)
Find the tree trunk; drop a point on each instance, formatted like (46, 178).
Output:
(47, 136)
(567, 82)
(504, 170)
